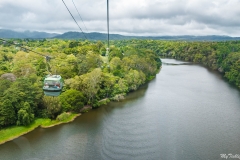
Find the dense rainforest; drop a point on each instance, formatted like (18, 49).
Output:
(90, 77)
(223, 56)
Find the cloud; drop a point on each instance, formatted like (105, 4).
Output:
(135, 17)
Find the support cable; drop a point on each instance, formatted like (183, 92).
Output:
(74, 19)
(79, 15)
(108, 21)
(107, 49)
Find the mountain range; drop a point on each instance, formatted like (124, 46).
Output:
(5, 33)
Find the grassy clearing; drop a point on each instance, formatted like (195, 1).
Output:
(13, 132)
(50, 123)
(10, 133)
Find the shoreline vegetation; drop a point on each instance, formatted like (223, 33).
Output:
(222, 56)
(13, 132)
(92, 77)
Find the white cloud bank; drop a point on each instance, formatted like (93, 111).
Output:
(128, 17)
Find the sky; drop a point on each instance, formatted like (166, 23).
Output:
(127, 17)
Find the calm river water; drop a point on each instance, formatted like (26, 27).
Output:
(186, 112)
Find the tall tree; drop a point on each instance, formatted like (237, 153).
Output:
(25, 115)
(91, 84)
(7, 113)
(72, 100)
(52, 105)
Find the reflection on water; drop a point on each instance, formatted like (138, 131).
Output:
(186, 112)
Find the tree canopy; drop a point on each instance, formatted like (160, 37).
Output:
(89, 76)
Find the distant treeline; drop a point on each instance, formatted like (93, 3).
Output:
(91, 78)
(222, 56)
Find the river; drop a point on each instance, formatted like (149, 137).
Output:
(186, 112)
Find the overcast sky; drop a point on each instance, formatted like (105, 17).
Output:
(127, 17)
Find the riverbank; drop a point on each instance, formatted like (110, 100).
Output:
(13, 132)
(8, 134)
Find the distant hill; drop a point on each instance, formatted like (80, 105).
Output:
(4, 33)
(91, 36)
(103, 36)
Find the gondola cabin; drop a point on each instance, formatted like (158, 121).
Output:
(53, 85)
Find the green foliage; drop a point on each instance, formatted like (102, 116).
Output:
(118, 97)
(73, 44)
(4, 85)
(63, 116)
(7, 113)
(90, 79)
(120, 87)
(116, 67)
(115, 52)
(103, 102)
(222, 56)
(23, 90)
(88, 62)
(72, 100)
(52, 105)
(107, 84)
(232, 68)
(90, 84)
(23, 63)
(20, 101)
(134, 79)
(12, 132)
(41, 68)
(25, 115)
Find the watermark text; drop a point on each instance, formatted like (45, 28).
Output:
(230, 156)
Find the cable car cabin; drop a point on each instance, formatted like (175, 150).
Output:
(53, 85)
